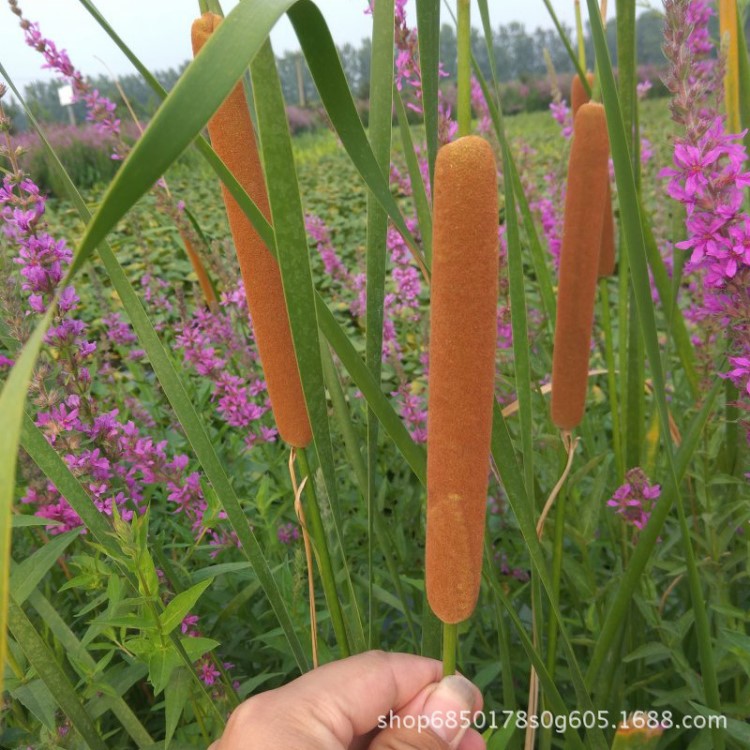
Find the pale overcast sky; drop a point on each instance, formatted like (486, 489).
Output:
(158, 31)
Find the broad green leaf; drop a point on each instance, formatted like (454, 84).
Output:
(176, 611)
(161, 665)
(196, 647)
(12, 401)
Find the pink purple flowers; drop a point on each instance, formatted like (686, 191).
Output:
(709, 178)
(634, 500)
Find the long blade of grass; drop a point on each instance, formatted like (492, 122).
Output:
(520, 329)
(299, 292)
(419, 192)
(634, 239)
(538, 255)
(380, 126)
(681, 337)
(428, 33)
(12, 401)
(325, 67)
(49, 670)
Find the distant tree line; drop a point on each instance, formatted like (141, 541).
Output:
(519, 55)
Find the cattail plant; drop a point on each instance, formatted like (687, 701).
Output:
(233, 139)
(578, 97)
(462, 372)
(585, 201)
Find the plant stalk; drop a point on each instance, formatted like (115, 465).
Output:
(322, 555)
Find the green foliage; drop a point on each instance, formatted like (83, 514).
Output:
(150, 629)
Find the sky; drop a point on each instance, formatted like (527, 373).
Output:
(158, 31)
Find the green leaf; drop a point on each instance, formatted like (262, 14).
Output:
(179, 607)
(296, 275)
(428, 31)
(12, 401)
(27, 575)
(325, 67)
(161, 664)
(196, 647)
(39, 701)
(21, 522)
(380, 122)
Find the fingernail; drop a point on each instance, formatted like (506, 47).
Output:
(450, 708)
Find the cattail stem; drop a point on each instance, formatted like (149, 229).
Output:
(450, 648)
(322, 555)
(609, 356)
(579, 34)
(463, 75)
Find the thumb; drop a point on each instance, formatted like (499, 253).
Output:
(437, 720)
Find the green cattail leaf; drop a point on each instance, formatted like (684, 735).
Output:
(49, 670)
(325, 67)
(380, 127)
(521, 355)
(505, 458)
(299, 292)
(428, 31)
(419, 192)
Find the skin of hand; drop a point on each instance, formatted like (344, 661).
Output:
(347, 705)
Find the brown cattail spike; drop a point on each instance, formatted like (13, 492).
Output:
(578, 97)
(463, 333)
(233, 139)
(588, 175)
(578, 94)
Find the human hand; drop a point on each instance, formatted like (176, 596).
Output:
(344, 704)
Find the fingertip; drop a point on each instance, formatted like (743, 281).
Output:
(472, 740)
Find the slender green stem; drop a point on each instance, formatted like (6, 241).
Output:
(203, 5)
(320, 545)
(579, 34)
(609, 354)
(450, 648)
(463, 81)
